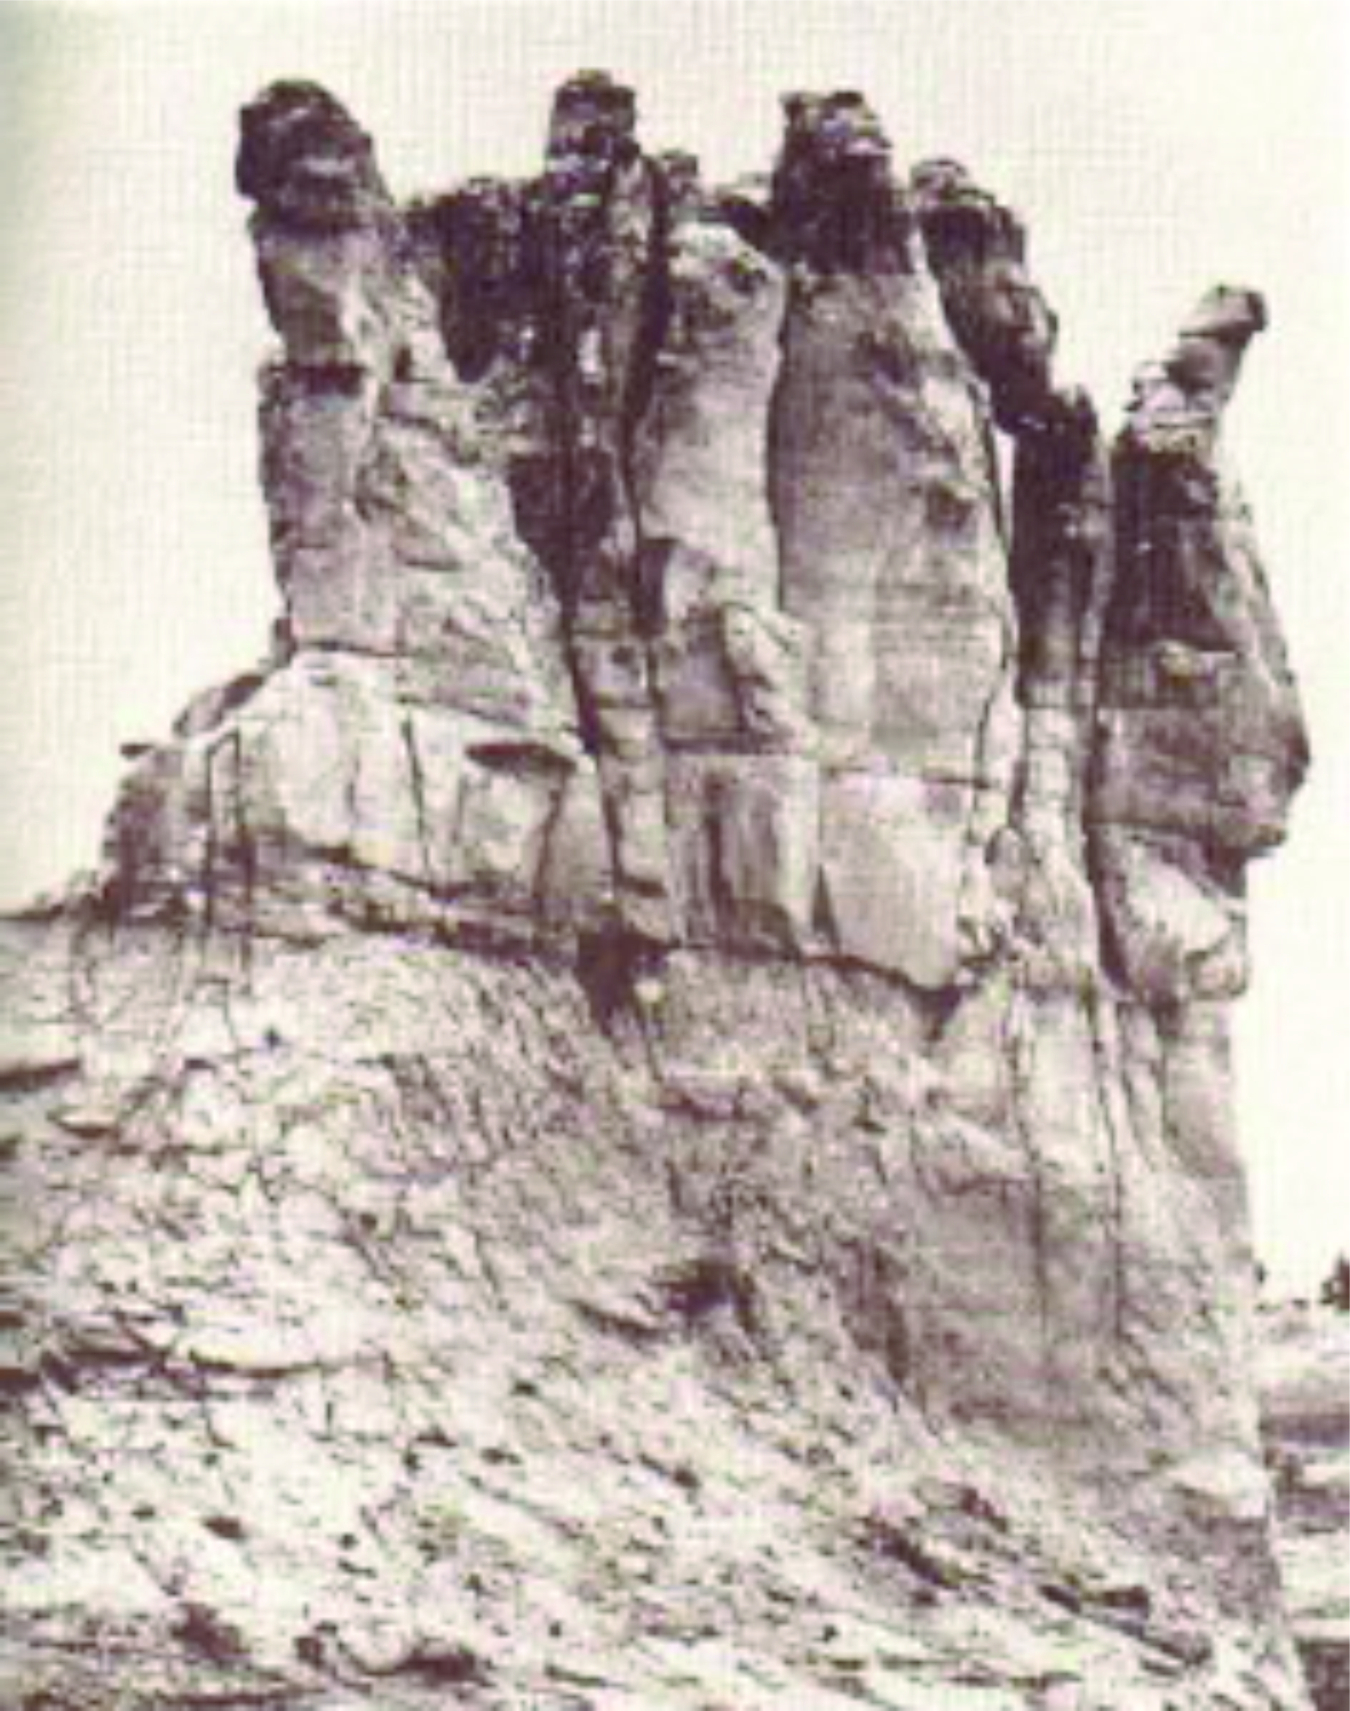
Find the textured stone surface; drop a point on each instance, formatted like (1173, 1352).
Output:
(1304, 1374)
(883, 492)
(640, 1114)
(386, 1323)
(1201, 743)
(415, 743)
(977, 250)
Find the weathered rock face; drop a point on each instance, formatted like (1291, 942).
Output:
(760, 1221)
(977, 249)
(1304, 1382)
(1201, 744)
(415, 740)
(883, 493)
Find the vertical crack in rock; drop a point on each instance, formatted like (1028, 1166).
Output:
(417, 784)
(1115, 1122)
(1019, 1043)
(602, 234)
(1061, 566)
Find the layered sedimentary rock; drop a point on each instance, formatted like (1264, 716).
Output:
(760, 1221)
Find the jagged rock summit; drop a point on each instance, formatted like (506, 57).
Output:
(640, 1116)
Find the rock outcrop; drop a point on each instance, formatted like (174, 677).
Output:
(1201, 742)
(1303, 1369)
(640, 1114)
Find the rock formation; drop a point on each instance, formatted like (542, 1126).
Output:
(640, 1115)
(1303, 1368)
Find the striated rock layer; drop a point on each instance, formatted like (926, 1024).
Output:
(641, 1115)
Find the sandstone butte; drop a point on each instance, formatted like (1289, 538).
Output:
(640, 1116)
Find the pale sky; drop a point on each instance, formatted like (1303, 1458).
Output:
(1154, 147)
